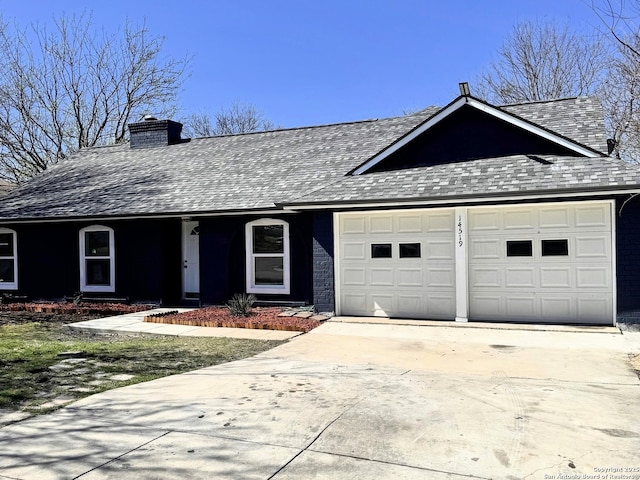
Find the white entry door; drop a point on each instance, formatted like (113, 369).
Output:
(191, 259)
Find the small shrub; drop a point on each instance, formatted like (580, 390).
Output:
(240, 304)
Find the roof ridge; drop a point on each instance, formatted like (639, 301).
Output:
(533, 102)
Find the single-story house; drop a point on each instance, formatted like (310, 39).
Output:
(467, 212)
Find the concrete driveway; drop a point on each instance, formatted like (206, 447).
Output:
(361, 401)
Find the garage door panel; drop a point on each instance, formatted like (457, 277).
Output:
(381, 224)
(593, 216)
(355, 303)
(555, 217)
(519, 220)
(486, 306)
(593, 247)
(590, 308)
(486, 249)
(522, 306)
(441, 277)
(409, 305)
(593, 277)
(352, 225)
(516, 277)
(555, 277)
(483, 277)
(383, 304)
(482, 220)
(381, 277)
(410, 277)
(353, 251)
(410, 223)
(354, 276)
(439, 250)
(440, 306)
(556, 308)
(439, 222)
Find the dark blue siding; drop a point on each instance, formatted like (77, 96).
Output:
(223, 263)
(628, 261)
(323, 279)
(147, 260)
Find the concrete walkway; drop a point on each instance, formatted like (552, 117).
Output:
(361, 401)
(134, 323)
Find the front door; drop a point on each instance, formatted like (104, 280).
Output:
(191, 259)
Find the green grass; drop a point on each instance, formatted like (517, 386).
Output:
(32, 372)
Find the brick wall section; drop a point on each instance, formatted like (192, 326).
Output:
(154, 133)
(628, 260)
(323, 280)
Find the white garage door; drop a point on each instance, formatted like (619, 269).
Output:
(547, 263)
(397, 264)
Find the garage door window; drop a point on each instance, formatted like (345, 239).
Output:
(380, 250)
(555, 248)
(409, 250)
(267, 243)
(8, 260)
(97, 259)
(519, 248)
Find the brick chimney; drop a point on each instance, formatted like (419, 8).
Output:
(154, 133)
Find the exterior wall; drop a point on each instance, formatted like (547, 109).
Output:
(323, 272)
(147, 260)
(223, 260)
(628, 260)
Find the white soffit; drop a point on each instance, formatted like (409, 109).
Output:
(493, 111)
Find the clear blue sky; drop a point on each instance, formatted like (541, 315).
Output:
(323, 61)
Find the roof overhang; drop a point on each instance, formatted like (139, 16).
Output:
(459, 200)
(483, 107)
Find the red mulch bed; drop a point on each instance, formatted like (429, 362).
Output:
(264, 318)
(72, 308)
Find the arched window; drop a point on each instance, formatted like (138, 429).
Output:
(8, 260)
(267, 243)
(97, 259)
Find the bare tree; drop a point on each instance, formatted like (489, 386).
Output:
(239, 118)
(621, 92)
(542, 61)
(76, 87)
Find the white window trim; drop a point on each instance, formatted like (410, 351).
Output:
(11, 285)
(283, 289)
(111, 257)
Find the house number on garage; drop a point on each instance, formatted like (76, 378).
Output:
(460, 242)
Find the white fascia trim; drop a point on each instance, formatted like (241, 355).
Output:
(460, 201)
(496, 112)
(411, 136)
(507, 117)
(183, 216)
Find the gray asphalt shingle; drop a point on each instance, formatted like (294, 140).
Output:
(257, 171)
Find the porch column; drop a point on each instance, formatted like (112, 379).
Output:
(462, 284)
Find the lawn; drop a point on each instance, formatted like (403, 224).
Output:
(44, 364)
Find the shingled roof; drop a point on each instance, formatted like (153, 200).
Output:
(261, 171)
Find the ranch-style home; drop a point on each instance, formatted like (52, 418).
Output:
(467, 212)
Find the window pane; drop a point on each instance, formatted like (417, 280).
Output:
(6, 244)
(409, 250)
(269, 271)
(98, 272)
(96, 244)
(519, 248)
(268, 239)
(6, 270)
(555, 247)
(380, 250)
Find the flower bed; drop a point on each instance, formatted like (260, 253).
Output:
(264, 318)
(72, 308)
